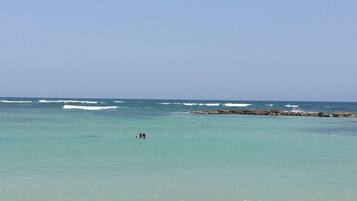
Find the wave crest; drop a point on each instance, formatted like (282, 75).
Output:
(10, 101)
(164, 103)
(79, 107)
(189, 104)
(209, 104)
(237, 104)
(292, 106)
(67, 101)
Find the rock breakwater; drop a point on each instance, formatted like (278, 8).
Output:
(277, 112)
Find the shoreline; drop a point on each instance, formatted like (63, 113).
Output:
(277, 112)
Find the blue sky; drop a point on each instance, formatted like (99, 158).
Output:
(256, 50)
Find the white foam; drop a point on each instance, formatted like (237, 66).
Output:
(9, 101)
(180, 112)
(270, 105)
(190, 104)
(292, 106)
(78, 107)
(118, 101)
(237, 104)
(165, 103)
(296, 110)
(209, 104)
(67, 101)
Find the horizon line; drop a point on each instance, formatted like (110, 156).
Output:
(261, 100)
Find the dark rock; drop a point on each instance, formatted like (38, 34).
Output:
(276, 112)
(214, 112)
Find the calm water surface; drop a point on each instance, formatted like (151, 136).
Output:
(48, 153)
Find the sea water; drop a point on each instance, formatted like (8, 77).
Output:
(87, 150)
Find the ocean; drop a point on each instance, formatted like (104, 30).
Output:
(87, 150)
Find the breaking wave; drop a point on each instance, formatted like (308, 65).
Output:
(192, 104)
(292, 106)
(10, 101)
(213, 104)
(209, 104)
(237, 104)
(164, 103)
(180, 112)
(118, 101)
(67, 101)
(270, 105)
(297, 110)
(78, 107)
(189, 104)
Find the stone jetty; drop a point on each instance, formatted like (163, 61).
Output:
(277, 112)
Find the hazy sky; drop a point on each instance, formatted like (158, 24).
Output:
(272, 50)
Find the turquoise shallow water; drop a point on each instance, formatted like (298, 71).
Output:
(48, 153)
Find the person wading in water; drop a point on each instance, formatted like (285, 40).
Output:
(141, 136)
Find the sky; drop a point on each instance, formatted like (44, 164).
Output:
(179, 49)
